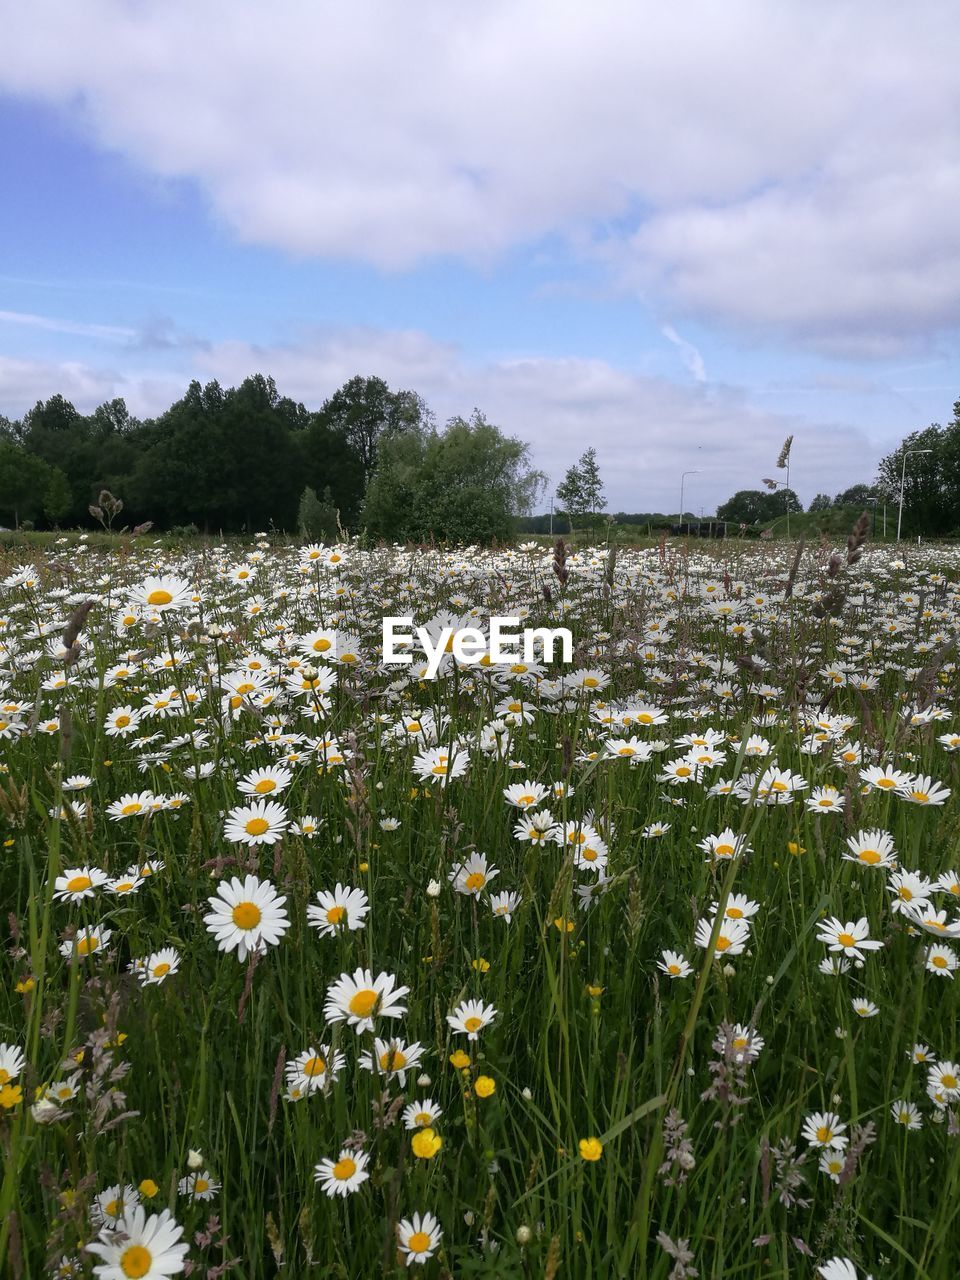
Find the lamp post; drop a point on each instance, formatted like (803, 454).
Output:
(903, 480)
(683, 477)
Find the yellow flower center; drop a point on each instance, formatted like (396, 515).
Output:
(414, 726)
(473, 1024)
(86, 945)
(257, 826)
(419, 1242)
(321, 645)
(121, 722)
(113, 1209)
(590, 682)
(722, 943)
(336, 914)
(683, 771)
(525, 800)
(475, 880)
(136, 1261)
(824, 1133)
(344, 1169)
(364, 1002)
(123, 887)
(76, 884)
(645, 718)
(161, 969)
(392, 1059)
(264, 786)
(948, 1081)
(160, 596)
(825, 804)
(422, 1118)
(870, 856)
(246, 915)
(940, 962)
(129, 809)
(740, 1042)
(734, 913)
(314, 1066)
(846, 939)
(724, 850)
(885, 783)
(921, 797)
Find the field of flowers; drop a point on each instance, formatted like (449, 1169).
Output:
(638, 966)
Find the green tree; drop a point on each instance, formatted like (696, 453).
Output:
(465, 483)
(57, 498)
(23, 483)
(580, 493)
(753, 506)
(931, 489)
(367, 411)
(858, 495)
(317, 518)
(822, 502)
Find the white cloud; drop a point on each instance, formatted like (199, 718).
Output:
(791, 167)
(692, 359)
(77, 328)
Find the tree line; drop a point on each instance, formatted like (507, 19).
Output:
(247, 458)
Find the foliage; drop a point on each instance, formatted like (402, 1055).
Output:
(931, 489)
(464, 483)
(580, 492)
(317, 519)
(750, 506)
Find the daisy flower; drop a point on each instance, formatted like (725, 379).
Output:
(831, 1163)
(247, 916)
(142, 1245)
(12, 1063)
(311, 1070)
(852, 938)
(923, 790)
(78, 883)
(109, 1206)
(122, 885)
(674, 964)
(503, 905)
(265, 782)
(422, 1114)
(133, 805)
(157, 966)
(725, 845)
(536, 828)
(343, 1176)
(393, 1058)
(342, 909)
(825, 1129)
(907, 1114)
(941, 960)
(731, 940)
(361, 999)
(198, 1186)
(470, 1017)
(945, 1077)
(886, 779)
(864, 1008)
(88, 942)
(308, 826)
(910, 891)
(158, 595)
(262, 822)
(473, 875)
(439, 765)
(872, 849)
(525, 795)
(418, 1237)
(825, 800)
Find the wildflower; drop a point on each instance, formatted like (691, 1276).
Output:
(886, 779)
(422, 1114)
(872, 849)
(864, 1008)
(262, 822)
(393, 1058)
(459, 1059)
(470, 1017)
(591, 1149)
(312, 1069)
(438, 765)
(265, 782)
(907, 1114)
(132, 805)
(147, 1246)
(361, 999)
(12, 1063)
(485, 1086)
(148, 1188)
(825, 1129)
(852, 938)
(473, 875)
(247, 916)
(160, 595)
(425, 1144)
(79, 883)
(923, 790)
(724, 846)
(831, 1163)
(941, 960)
(198, 1186)
(344, 1175)
(731, 940)
(945, 1076)
(86, 943)
(674, 965)
(109, 1206)
(419, 1237)
(342, 909)
(525, 795)
(503, 905)
(911, 891)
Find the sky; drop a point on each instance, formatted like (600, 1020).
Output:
(675, 233)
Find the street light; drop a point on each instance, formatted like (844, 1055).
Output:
(903, 478)
(683, 476)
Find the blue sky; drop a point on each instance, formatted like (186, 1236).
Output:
(591, 222)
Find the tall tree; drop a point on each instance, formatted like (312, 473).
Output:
(580, 492)
(367, 411)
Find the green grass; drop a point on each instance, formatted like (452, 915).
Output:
(590, 1038)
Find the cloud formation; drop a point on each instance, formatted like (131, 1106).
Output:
(786, 168)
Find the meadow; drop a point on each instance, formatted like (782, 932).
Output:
(643, 965)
